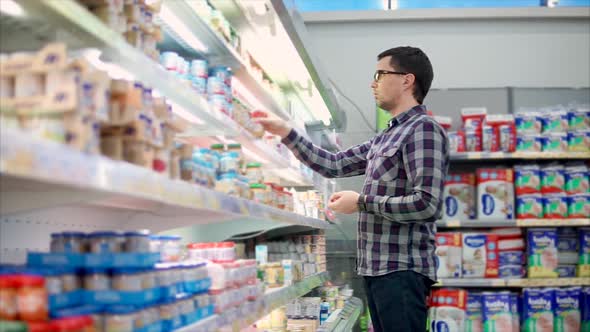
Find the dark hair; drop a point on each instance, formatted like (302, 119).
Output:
(412, 60)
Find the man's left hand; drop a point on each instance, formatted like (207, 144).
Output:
(344, 202)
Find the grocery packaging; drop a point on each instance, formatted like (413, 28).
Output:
(579, 205)
(473, 119)
(529, 143)
(579, 117)
(585, 307)
(554, 120)
(567, 309)
(555, 205)
(473, 312)
(529, 206)
(583, 268)
(495, 193)
(496, 309)
(448, 255)
(542, 253)
(552, 179)
(459, 197)
(579, 140)
(537, 310)
(577, 179)
(528, 121)
(502, 132)
(527, 179)
(450, 310)
(480, 255)
(515, 310)
(555, 142)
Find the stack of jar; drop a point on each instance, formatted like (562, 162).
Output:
(233, 281)
(134, 20)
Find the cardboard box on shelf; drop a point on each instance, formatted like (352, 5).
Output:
(112, 147)
(138, 153)
(51, 57)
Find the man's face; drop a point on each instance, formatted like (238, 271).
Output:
(389, 88)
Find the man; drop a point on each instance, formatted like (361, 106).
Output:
(405, 167)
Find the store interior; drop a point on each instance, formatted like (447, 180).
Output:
(140, 193)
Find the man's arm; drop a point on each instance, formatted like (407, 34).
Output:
(426, 161)
(350, 162)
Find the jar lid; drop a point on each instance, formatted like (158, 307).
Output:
(253, 165)
(217, 146)
(198, 245)
(225, 245)
(105, 234)
(170, 237)
(74, 234)
(257, 186)
(143, 233)
(56, 235)
(234, 146)
(30, 281)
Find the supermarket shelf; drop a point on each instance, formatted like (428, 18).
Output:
(513, 223)
(344, 319)
(273, 298)
(527, 282)
(70, 16)
(520, 155)
(39, 174)
(217, 50)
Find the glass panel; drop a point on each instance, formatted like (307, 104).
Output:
(333, 5)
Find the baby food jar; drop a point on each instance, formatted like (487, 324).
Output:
(229, 162)
(137, 241)
(119, 319)
(74, 242)
(126, 280)
(164, 275)
(105, 242)
(227, 184)
(258, 193)
(57, 243)
(254, 172)
(96, 279)
(170, 248)
(236, 148)
(226, 251)
(31, 298)
(53, 280)
(148, 279)
(70, 281)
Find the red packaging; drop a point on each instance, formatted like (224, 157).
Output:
(516, 244)
(473, 119)
(444, 121)
(504, 131)
(480, 255)
(507, 232)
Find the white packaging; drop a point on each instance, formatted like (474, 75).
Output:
(459, 197)
(495, 194)
(450, 310)
(480, 255)
(448, 255)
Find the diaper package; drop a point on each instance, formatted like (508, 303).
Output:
(529, 206)
(474, 318)
(555, 120)
(449, 314)
(577, 179)
(567, 315)
(495, 193)
(552, 179)
(530, 143)
(579, 206)
(514, 309)
(555, 206)
(579, 140)
(527, 179)
(584, 259)
(537, 310)
(579, 117)
(497, 313)
(585, 308)
(566, 271)
(511, 258)
(459, 197)
(528, 121)
(555, 142)
(542, 253)
(480, 255)
(448, 255)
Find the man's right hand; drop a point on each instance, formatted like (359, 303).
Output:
(275, 127)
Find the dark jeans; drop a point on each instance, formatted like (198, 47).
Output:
(397, 301)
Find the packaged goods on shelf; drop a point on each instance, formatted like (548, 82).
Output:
(538, 309)
(542, 253)
(459, 196)
(480, 255)
(473, 312)
(447, 310)
(448, 255)
(495, 193)
(496, 311)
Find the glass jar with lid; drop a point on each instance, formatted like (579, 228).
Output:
(229, 162)
(228, 184)
(237, 148)
(254, 172)
(74, 242)
(105, 242)
(258, 193)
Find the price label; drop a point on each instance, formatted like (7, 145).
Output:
(498, 283)
(454, 223)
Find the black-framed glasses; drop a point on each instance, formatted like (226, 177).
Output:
(380, 73)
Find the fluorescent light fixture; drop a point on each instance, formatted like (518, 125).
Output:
(168, 17)
(10, 7)
(394, 5)
(113, 70)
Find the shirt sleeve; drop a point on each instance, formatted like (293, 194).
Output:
(426, 160)
(350, 162)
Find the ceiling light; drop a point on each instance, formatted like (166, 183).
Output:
(10, 7)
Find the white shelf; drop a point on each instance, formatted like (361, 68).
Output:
(77, 20)
(525, 282)
(38, 174)
(513, 223)
(273, 298)
(344, 319)
(520, 155)
(218, 52)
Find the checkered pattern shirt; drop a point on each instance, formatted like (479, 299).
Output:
(405, 167)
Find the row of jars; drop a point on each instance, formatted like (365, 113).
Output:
(232, 297)
(100, 242)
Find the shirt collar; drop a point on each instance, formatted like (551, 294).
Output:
(403, 117)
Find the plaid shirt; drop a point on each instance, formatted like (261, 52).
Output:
(405, 167)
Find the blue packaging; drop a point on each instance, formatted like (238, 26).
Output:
(199, 84)
(578, 140)
(529, 206)
(527, 179)
(567, 3)
(528, 122)
(223, 73)
(555, 142)
(567, 232)
(529, 143)
(555, 120)
(199, 68)
(515, 310)
(411, 4)
(473, 313)
(579, 117)
(566, 271)
(542, 252)
(510, 271)
(567, 316)
(567, 244)
(585, 306)
(577, 179)
(537, 309)
(496, 311)
(511, 258)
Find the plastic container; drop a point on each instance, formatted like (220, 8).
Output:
(97, 280)
(273, 275)
(119, 319)
(57, 243)
(228, 184)
(163, 275)
(70, 281)
(126, 280)
(170, 248)
(226, 251)
(254, 173)
(105, 242)
(148, 279)
(8, 291)
(237, 148)
(74, 242)
(229, 162)
(137, 241)
(243, 186)
(196, 251)
(31, 298)
(259, 193)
